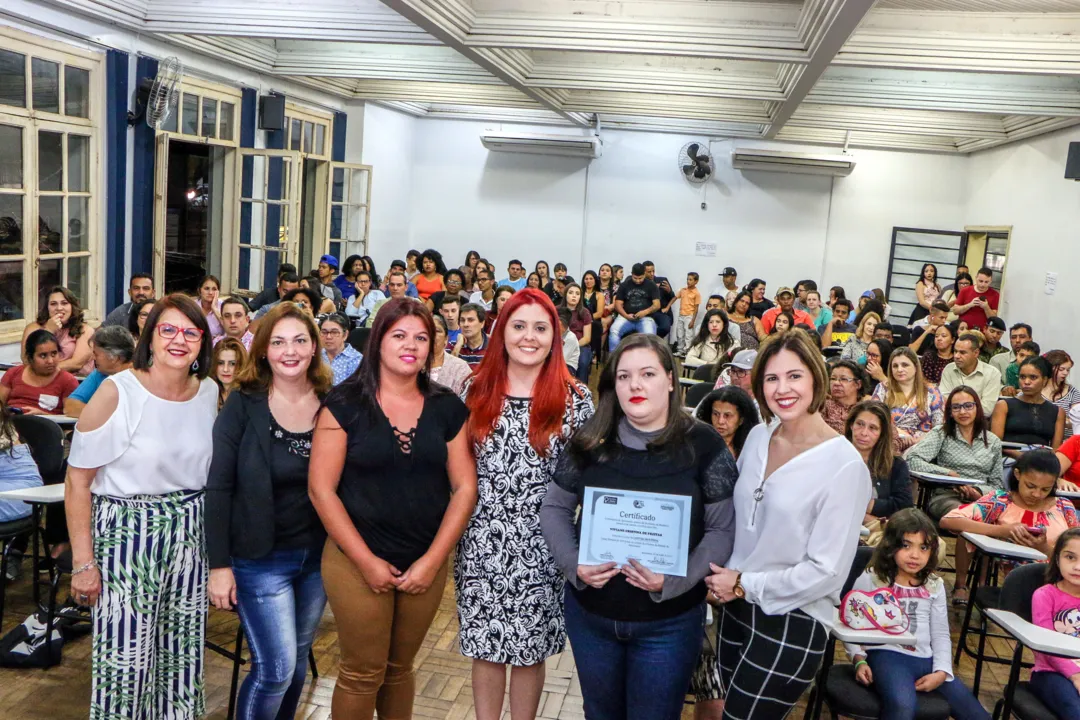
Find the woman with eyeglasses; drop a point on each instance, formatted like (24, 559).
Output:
(846, 381)
(140, 310)
(962, 447)
(134, 501)
(263, 538)
(341, 357)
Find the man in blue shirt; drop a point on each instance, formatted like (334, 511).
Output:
(517, 277)
(113, 349)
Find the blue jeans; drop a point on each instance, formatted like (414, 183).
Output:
(622, 326)
(634, 670)
(584, 365)
(280, 599)
(1058, 693)
(894, 681)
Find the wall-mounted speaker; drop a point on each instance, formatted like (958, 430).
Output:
(271, 112)
(1072, 164)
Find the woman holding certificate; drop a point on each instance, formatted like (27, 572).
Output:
(799, 505)
(524, 405)
(654, 487)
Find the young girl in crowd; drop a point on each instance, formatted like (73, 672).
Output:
(713, 340)
(784, 322)
(904, 563)
(1028, 513)
(1056, 606)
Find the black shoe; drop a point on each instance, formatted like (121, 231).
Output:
(14, 567)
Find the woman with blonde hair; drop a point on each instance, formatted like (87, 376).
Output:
(855, 347)
(916, 405)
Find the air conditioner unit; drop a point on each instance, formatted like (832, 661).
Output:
(792, 162)
(566, 145)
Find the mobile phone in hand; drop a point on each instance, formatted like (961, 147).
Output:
(1035, 530)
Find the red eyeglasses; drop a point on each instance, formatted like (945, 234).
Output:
(191, 335)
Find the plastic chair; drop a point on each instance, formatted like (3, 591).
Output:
(358, 339)
(696, 393)
(704, 372)
(9, 532)
(1015, 597)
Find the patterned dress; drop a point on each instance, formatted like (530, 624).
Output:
(509, 590)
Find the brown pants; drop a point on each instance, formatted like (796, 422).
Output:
(379, 635)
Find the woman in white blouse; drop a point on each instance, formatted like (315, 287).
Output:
(134, 500)
(799, 505)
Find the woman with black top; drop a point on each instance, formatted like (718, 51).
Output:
(869, 428)
(759, 303)
(393, 482)
(637, 633)
(935, 359)
(263, 538)
(1029, 418)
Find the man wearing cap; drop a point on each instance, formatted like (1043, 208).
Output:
(994, 330)
(328, 267)
(786, 298)
(737, 373)
(731, 284)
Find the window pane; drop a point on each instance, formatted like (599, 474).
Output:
(294, 135)
(336, 212)
(320, 139)
(49, 276)
(11, 224)
(337, 187)
(11, 290)
(50, 161)
(78, 277)
(172, 122)
(46, 83)
(78, 227)
(50, 224)
(189, 121)
(225, 120)
(309, 132)
(357, 187)
(78, 163)
(209, 117)
(11, 157)
(76, 92)
(12, 78)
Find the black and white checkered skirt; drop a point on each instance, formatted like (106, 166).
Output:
(765, 662)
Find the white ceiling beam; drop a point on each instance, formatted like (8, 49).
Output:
(827, 25)
(436, 92)
(672, 81)
(450, 22)
(874, 140)
(249, 53)
(758, 40)
(920, 90)
(379, 62)
(967, 52)
(899, 121)
(669, 106)
(344, 20)
(126, 13)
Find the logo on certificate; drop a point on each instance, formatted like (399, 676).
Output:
(611, 500)
(639, 504)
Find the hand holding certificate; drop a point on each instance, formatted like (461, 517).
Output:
(652, 528)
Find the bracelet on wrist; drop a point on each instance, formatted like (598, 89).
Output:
(88, 566)
(861, 662)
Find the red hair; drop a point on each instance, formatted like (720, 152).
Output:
(551, 392)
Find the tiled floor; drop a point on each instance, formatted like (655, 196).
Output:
(443, 688)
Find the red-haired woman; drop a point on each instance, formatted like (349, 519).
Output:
(524, 405)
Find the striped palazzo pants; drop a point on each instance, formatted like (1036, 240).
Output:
(150, 621)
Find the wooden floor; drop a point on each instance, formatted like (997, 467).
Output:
(442, 690)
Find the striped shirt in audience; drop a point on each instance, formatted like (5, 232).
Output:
(473, 356)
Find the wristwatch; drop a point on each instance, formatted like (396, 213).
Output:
(738, 591)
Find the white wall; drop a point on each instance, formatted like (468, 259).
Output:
(1023, 185)
(632, 204)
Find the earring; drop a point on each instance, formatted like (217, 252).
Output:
(150, 361)
(195, 366)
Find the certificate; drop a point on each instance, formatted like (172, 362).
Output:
(652, 528)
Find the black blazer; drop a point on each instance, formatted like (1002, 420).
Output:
(239, 491)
